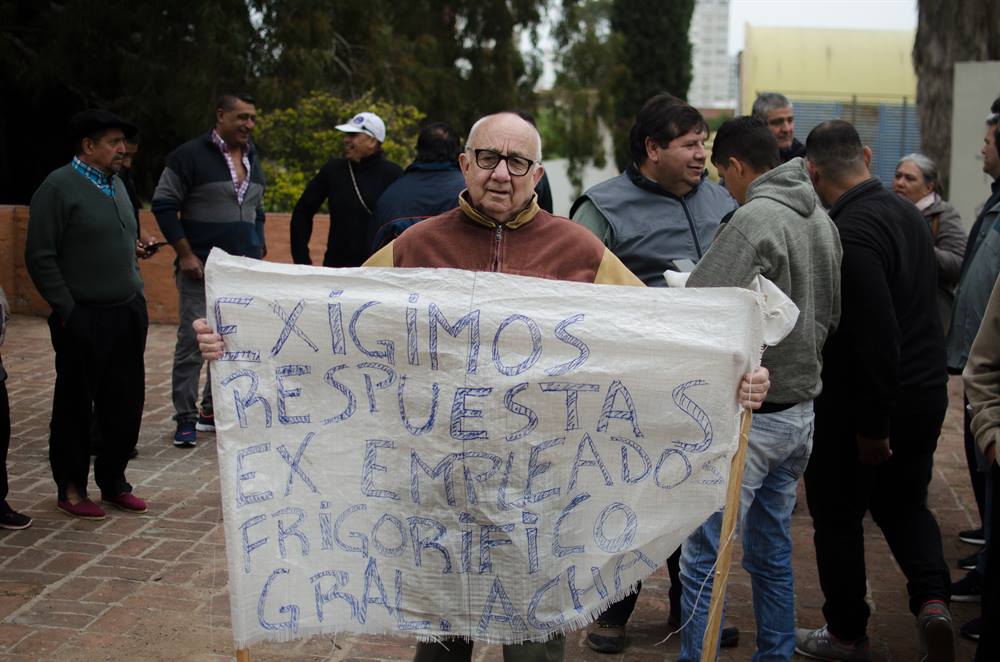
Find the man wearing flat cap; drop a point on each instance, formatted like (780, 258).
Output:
(351, 186)
(81, 253)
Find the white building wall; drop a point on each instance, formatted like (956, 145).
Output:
(711, 67)
(975, 88)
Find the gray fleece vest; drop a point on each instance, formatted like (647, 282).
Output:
(650, 230)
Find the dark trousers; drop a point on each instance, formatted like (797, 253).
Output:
(4, 444)
(619, 612)
(988, 649)
(839, 490)
(460, 650)
(976, 475)
(99, 371)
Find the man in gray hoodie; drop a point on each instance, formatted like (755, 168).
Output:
(782, 233)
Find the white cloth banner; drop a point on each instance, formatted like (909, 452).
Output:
(440, 452)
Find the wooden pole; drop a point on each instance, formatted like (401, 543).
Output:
(243, 655)
(710, 641)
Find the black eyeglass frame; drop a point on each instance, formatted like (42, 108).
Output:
(503, 157)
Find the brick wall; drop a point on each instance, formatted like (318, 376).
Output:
(157, 271)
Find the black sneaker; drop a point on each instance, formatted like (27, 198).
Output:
(972, 629)
(730, 638)
(973, 536)
(968, 588)
(206, 421)
(14, 520)
(969, 562)
(604, 638)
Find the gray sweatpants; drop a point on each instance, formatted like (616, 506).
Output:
(187, 358)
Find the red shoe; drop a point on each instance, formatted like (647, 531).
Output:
(126, 501)
(83, 509)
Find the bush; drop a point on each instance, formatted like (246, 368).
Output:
(295, 142)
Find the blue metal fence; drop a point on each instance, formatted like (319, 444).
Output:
(890, 129)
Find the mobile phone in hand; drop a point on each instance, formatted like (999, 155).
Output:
(153, 247)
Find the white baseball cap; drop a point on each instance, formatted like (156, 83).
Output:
(369, 123)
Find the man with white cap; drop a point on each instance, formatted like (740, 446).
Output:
(351, 185)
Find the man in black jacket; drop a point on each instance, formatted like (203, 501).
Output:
(883, 401)
(351, 186)
(775, 110)
(430, 185)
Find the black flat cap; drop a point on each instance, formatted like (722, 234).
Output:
(92, 120)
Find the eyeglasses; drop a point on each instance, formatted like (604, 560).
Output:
(488, 159)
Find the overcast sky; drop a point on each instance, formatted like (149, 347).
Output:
(859, 14)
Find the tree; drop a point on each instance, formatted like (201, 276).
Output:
(613, 55)
(162, 64)
(948, 32)
(159, 64)
(572, 121)
(656, 57)
(453, 59)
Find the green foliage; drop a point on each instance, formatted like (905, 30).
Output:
(715, 122)
(284, 186)
(455, 60)
(295, 142)
(656, 54)
(162, 64)
(578, 106)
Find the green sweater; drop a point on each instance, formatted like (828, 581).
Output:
(81, 242)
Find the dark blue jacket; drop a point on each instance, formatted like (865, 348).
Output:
(424, 190)
(195, 200)
(980, 269)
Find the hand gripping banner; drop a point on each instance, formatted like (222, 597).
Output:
(436, 452)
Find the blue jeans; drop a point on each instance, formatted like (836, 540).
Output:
(777, 454)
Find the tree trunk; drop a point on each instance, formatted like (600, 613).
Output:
(948, 31)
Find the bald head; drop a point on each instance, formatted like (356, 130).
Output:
(501, 165)
(513, 122)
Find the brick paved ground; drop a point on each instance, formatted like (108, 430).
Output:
(153, 586)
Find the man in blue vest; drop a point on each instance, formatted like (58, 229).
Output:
(660, 214)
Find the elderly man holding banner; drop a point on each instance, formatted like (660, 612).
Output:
(498, 226)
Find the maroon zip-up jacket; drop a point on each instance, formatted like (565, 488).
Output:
(534, 243)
